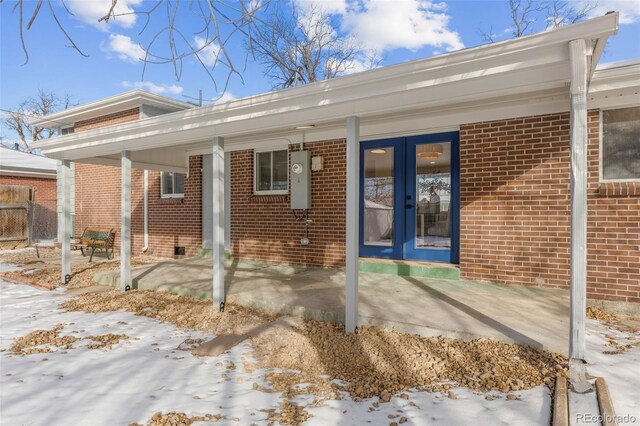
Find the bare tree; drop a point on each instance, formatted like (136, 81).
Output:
(525, 14)
(560, 12)
(18, 119)
(170, 40)
(303, 46)
(522, 15)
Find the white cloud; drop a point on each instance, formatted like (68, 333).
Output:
(330, 7)
(210, 50)
(629, 10)
(160, 89)
(391, 24)
(90, 11)
(363, 62)
(355, 66)
(226, 97)
(124, 48)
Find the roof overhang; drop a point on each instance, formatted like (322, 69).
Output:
(615, 85)
(17, 163)
(522, 76)
(24, 172)
(110, 105)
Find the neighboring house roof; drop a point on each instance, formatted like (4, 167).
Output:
(519, 77)
(117, 103)
(16, 163)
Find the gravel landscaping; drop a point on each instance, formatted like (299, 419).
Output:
(306, 372)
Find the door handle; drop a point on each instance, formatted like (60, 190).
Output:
(409, 206)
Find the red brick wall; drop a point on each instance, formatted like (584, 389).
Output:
(98, 197)
(45, 188)
(120, 117)
(172, 222)
(263, 226)
(515, 209)
(613, 231)
(514, 194)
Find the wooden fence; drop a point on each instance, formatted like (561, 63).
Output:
(15, 210)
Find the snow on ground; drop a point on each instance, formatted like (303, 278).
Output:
(620, 370)
(148, 373)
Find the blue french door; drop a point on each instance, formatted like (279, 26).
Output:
(409, 198)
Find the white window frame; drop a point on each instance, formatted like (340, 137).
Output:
(255, 171)
(601, 178)
(174, 195)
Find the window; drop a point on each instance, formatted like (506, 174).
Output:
(272, 172)
(66, 130)
(172, 185)
(620, 150)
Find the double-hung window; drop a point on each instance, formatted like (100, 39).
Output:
(172, 185)
(620, 145)
(271, 174)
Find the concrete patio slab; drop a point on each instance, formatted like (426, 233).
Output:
(538, 317)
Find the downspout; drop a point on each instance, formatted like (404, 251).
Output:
(146, 211)
(578, 283)
(145, 184)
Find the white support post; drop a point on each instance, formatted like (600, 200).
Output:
(578, 283)
(65, 222)
(125, 221)
(218, 222)
(352, 225)
(227, 202)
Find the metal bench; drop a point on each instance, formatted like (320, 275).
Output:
(95, 239)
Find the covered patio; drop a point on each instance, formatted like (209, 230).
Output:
(541, 73)
(533, 316)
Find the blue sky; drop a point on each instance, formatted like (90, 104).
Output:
(400, 31)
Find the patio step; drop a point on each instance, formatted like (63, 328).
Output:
(409, 268)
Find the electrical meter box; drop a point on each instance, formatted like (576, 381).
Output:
(300, 174)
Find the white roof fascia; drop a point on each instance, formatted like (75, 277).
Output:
(132, 99)
(13, 162)
(17, 163)
(598, 48)
(617, 87)
(533, 63)
(35, 173)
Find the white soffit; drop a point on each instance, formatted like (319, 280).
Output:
(468, 79)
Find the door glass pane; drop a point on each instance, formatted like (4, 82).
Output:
(433, 192)
(378, 197)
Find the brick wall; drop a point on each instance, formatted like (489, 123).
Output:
(613, 231)
(172, 222)
(45, 188)
(263, 226)
(98, 197)
(515, 209)
(120, 117)
(514, 196)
